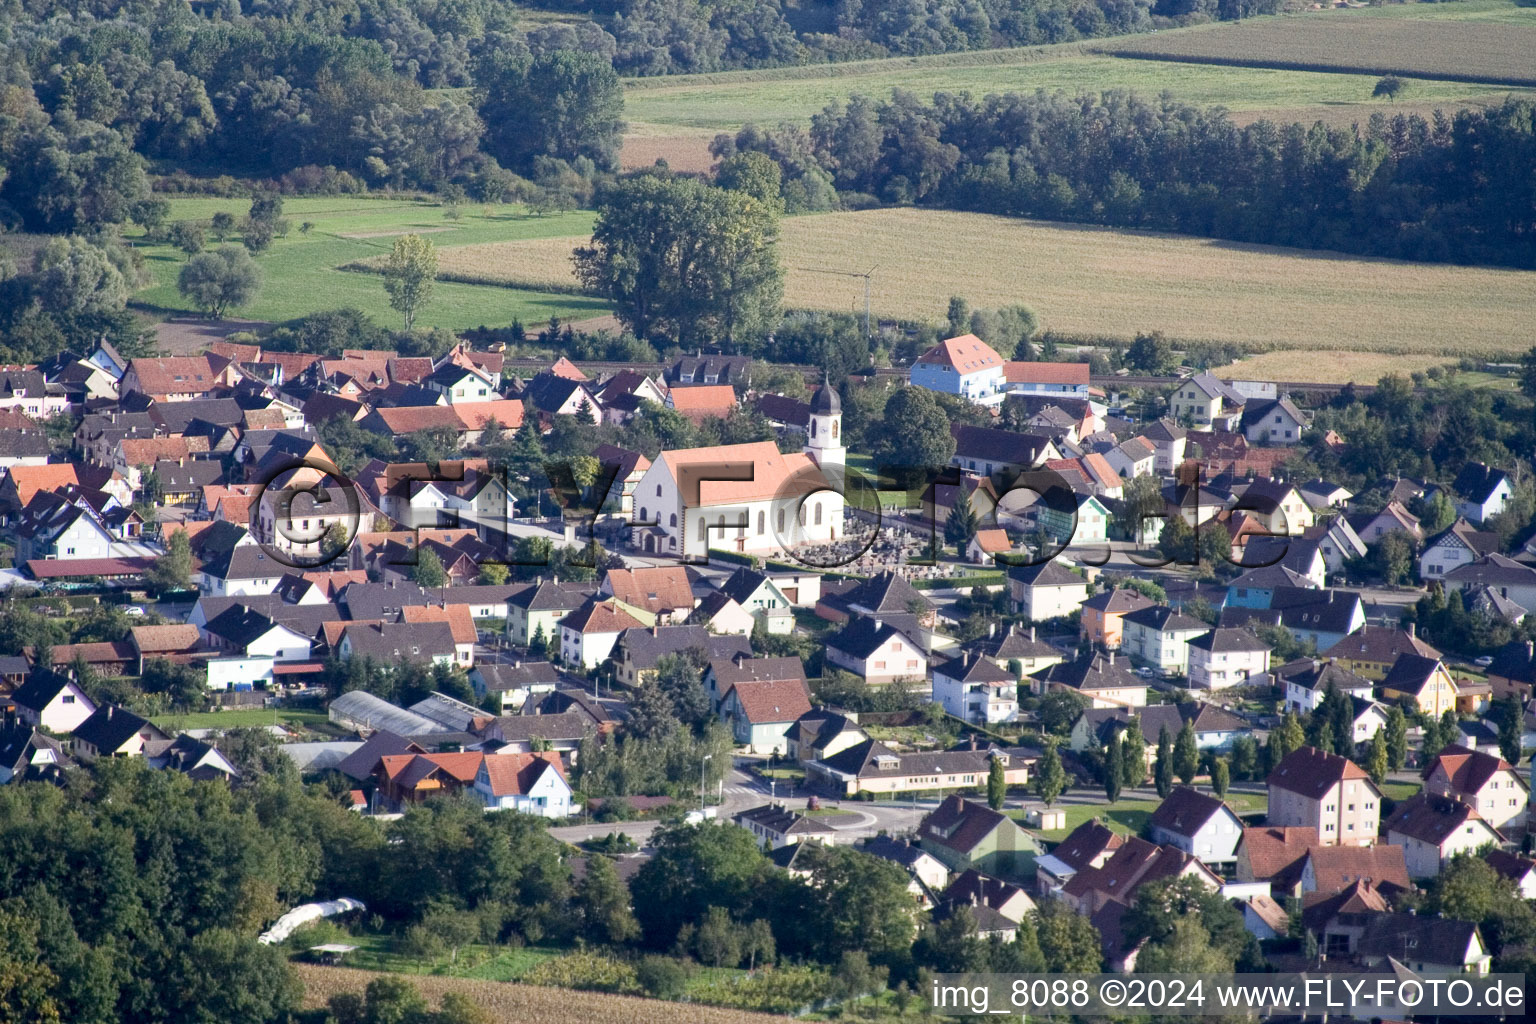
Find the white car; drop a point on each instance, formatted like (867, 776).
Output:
(1145, 673)
(1484, 661)
(134, 610)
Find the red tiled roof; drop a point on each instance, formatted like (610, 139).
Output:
(601, 617)
(63, 568)
(1312, 772)
(407, 419)
(659, 589)
(966, 353)
(1336, 867)
(28, 480)
(177, 375)
(772, 700)
(511, 774)
(563, 367)
(1467, 771)
(697, 401)
(1272, 850)
(457, 616)
(1046, 373)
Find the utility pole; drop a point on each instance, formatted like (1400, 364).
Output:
(866, 275)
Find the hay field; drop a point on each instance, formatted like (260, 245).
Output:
(1313, 366)
(517, 1004)
(1106, 282)
(1490, 52)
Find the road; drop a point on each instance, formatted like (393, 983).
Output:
(742, 790)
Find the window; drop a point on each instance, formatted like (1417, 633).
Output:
(68, 698)
(703, 529)
(818, 513)
(674, 519)
(781, 520)
(801, 516)
(834, 430)
(813, 426)
(658, 490)
(762, 519)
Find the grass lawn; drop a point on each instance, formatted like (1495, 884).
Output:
(300, 272)
(236, 718)
(1399, 791)
(1130, 816)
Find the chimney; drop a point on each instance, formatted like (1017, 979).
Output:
(991, 629)
(973, 741)
(1412, 630)
(878, 624)
(1111, 657)
(1031, 634)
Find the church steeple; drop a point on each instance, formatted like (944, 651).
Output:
(824, 432)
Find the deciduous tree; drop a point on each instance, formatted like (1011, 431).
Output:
(218, 281)
(409, 274)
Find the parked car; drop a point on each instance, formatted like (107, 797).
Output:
(1484, 661)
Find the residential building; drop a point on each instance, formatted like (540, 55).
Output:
(1336, 541)
(1423, 683)
(1106, 682)
(537, 610)
(1197, 823)
(1206, 402)
(1371, 651)
(1484, 782)
(112, 731)
(986, 896)
(1159, 636)
(1215, 728)
(976, 689)
(1481, 491)
(28, 754)
(53, 701)
(390, 643)
(533, 783)
(1277, 421)
(1275, 854)
(1504, 576)
(1328, 870)
(870, 766)
(822, 732)
(967, 835)
(1433, 829)
(776, 826)
(1423, 944)
(1168, 441)
(1030, 378)
(1277, 506)
(588, 634)
(1046, 590)
(664, 591)
(1307, 680)
(1136, 863)
(760, 712)
(964, 366)
(1019, 651)
(989, 451)
(1329, 793)
(1457, 545)
(878, 650)
(1226, 657)
(1519, 870)
(1393, 518)
(1103, 615)
(639, 651)
(1089, 845)
(929, 874)
(762, 598)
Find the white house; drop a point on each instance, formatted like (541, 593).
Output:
(1199, 824)
(762, 598)
(1273, 422)
(1206, 402)
(587, 635)
(877, 651)
(1307, 681)
(1159, 637)
(1504, 576)
(531, 783)
(1433, 829)
(746, 498)
(240, 673)
(1370, 718)
(461, 384)
(1336, 540)
(976, 689)
(51, 700)
(776, 826)
(1457, 545)
(1482, 491)
(1168, 442)
(1047, 590)
(964, 366)
(1132, 458)
(1226, 657)
(1485, 782)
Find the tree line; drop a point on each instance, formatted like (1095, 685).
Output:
(1443, 188)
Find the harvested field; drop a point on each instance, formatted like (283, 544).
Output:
(681, 152)
(1311, 366)
(517, 1004)
(1105, 282)
(1492, 53)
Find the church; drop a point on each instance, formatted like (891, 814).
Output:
(747, 498)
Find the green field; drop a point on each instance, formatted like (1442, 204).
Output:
(1129, 815)
(244, 717)
(301, 275)
(488, 963)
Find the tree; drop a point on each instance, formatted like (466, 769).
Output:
(1134, 759)
(1186, 755)
(602, 901)
(222, 223)
(173, 570)
(1162, 769)
(757, 175)
(1221, 777)
(1396, 731)
(494, 574)
(1389, 86)
(1069, 940)
(915, 435)
(1289, 735)
(1150, 353)
(1377, 762)
(959, 316)
(428, 572)
(1510, 730)
(566, 105)
(1114, 770)
(683, 259)
(997, 786)
(75, 276)
(409, 274)
(1468, 888)
(1245, 757)
(216, 281)
(1059, 709)
(960, 525)
(1050, 777)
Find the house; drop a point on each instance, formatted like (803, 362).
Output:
(112, 731)
(1328, 870)
(460, 624)
(1158, 636)
(406, 779)
(52, 527)
(1370, 718)
(1371, 651)
(1103, 615)
(390, 643)
(1030, 378)
(537, 610)
(699, 402)
(1275, 854)
(663, 591)
(1393, 518)
(1336, 541)
(1224, 657)
(1168, 441)
(1202, 826)
(1504, 576)
(190, 756)
(1019, 651)
(27, 754)
(1277, 506)
(1484, 782)
(1276, 421)
(561, 732)
(968, 835)
(1264, 918)
(1307, 680)
(776, 826)
(878, 650)
(639, 650)
(179, 643)
(886, 594)
(1301, 555)
(1519, 870)
(718, 613)
(53, 701)
(1513, 671)
(1421, 683)
(241, 630)
(1134, 457)
(460, 384)
(1423, 944)
(1215, 728)
(964, 366)
(588, 634)
(1481, 491)
(1329, 793)
(1433, 829)
(627, 468)
(178, 378)
(872, 767)
(1136, 863)
(711, 369)
(1323, 617)
(1107, 683)
(1089, 845)
(760, 712)
(974, 889)
(986, 544)
(762, 598)
(721, 673)
(989, 451)
(533, 783)
(1323, 494)
(976, 689)
(1457, 545)
(1046, 590)
(820, 733)
(24, 448)
(747, 498)
(1206, 402)
(929, 875)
